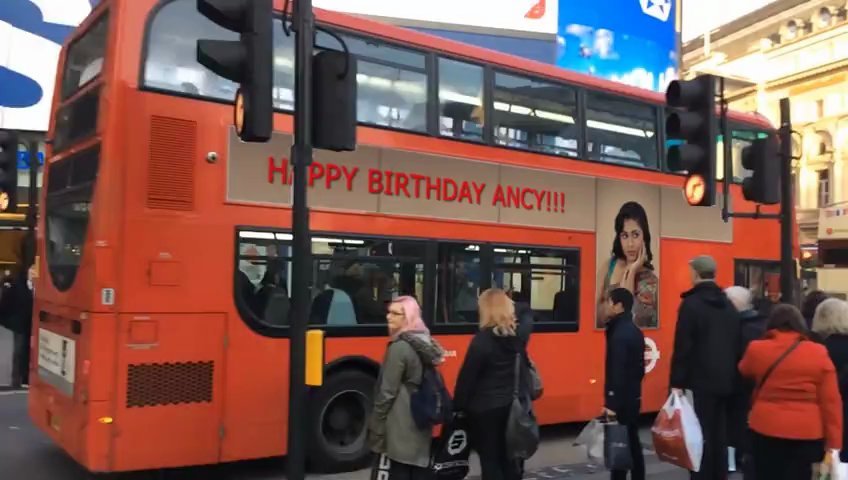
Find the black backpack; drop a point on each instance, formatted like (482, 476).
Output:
(431, 403)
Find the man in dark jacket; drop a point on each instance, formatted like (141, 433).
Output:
(625, 368)
(707, 349)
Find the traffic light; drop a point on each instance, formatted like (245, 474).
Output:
(763, 159)
(334, 101)
(693, 122)
(8, 171)
(247, 61)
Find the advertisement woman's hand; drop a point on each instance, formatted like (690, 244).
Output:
(628, 281)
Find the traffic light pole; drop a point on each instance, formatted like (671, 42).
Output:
(304, 26)
(787, 263)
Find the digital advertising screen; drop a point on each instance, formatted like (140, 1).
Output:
(635, 42)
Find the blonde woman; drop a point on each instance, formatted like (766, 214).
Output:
(485, 384)
(403, 449)
(830, 323)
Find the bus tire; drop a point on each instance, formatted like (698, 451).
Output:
(338, 425)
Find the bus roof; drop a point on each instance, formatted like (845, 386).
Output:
(446, 46)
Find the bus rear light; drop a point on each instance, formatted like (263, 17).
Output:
(106, 420)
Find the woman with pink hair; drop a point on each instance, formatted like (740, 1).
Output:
(403, 449)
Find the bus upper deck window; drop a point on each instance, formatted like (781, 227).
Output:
(84, 58)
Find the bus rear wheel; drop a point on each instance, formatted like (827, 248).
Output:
(339, 422)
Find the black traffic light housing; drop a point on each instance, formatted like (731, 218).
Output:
(334, 101)
(247, 61)
(8, 171)
(693, 120)
(763, 159)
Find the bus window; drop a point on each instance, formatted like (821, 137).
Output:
(459, 283)
(621, 131)
(363, 276)
(84, 60)
(353, 279)
(460, 100)
(535, 115)
(263, 275)
(391, 82)
(171, 62)
(547, 280)
(70, 186)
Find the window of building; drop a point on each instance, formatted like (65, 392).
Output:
(84, 60)
(621, 131)
(171, 62)
(460, 99)
(823, 177)
(535, 115)
(547, 280)
(391, 82)
(460, 280)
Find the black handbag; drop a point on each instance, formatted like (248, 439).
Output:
(522, 430)
(450, 451)
(617, 447)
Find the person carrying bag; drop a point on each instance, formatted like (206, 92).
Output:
(796, 413)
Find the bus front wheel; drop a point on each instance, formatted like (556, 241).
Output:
(339, 422)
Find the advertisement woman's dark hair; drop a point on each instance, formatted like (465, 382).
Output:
(633, 211)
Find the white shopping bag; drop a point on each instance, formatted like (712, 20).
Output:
(592, 437)
(831, 468)
(677, 434)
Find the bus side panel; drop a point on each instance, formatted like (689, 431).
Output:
(676, 278)
(257, 395)
(170, 390)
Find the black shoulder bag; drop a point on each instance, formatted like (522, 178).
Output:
(774, 365)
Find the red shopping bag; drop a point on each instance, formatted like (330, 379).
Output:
(677, 434)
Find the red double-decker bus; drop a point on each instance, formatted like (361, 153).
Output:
(161, 314)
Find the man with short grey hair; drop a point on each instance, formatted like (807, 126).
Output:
(707, 348)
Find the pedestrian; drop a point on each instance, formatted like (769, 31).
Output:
(625, 369)
(830, 323)
(707, 348)
(753, 327)
(403, 449)
(808, 310)
(484, 387)
(796, 410)
(16, 307)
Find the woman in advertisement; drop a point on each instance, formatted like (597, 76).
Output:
(630, 267)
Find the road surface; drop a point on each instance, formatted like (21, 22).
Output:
(26, 454)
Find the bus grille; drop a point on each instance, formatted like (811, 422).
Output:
(170, 180)
(156, 384)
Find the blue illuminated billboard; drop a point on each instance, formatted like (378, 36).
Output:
(635, 42)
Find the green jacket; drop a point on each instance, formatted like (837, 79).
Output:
(392, 431)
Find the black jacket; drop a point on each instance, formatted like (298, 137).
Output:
(707, 342)
(753, 327)
(625, 367)
(486, 378)
(525, 319)
(837, 348)
(16, 305)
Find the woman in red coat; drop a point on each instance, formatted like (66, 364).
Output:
(797, 409)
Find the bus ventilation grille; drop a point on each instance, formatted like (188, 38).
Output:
(173, 148)
(157, 384)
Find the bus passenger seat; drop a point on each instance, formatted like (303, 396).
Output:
(341, 310)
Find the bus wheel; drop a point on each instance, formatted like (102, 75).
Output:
(339, 422)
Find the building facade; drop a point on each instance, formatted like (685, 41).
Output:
(796, 49)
